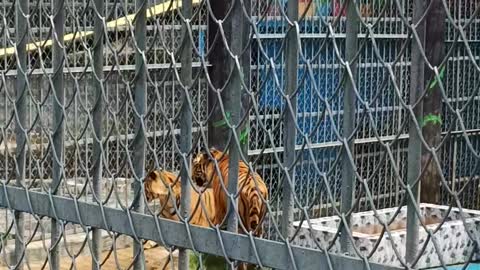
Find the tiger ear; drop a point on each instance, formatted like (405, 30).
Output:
(214, 151)
(199, 155)
(204, 156)
(204, 152)
(151, 175)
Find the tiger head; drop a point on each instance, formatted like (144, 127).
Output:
(157, 185)
(203, 166)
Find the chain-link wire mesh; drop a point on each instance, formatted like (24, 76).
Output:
(352, 127)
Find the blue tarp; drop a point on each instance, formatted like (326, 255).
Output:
(472, 266)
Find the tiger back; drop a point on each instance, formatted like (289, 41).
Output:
(155, 188)
(251, 187)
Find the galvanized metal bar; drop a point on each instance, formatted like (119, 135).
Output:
(349, 99)
(233, 106)
(58, 124)
(290, 117)
(246, 69)
(417, 83)
(113, 68)
(218, 73)
(21, 11)
(97, 116)
(274, 254)
(430, 188)
(140, 106)
(186, 126)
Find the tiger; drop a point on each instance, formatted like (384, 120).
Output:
(251, 186)
(155, 188)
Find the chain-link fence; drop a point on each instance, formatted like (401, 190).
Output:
(352, 126)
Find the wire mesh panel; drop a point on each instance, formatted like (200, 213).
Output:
(281, 134)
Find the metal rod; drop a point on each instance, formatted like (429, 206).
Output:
(186, 126)
(140, 106)
(58, 119)
(274, 254)
(348, 173)
(246, 69)
(21, 11)
(290, 118)
(430, 189)
(233, 106)
(417, 84)
(97, 114)
(218, 59)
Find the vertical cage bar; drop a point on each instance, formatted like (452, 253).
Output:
(58, 119)
(414, 144)
(233, 106)
(186, 125)
(140, 105)
(245, 64)
(432, 104)
(349, 104)
(218, 59)
(21, 11)
(289, 129)
(97, 78)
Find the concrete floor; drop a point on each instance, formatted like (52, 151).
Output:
(155, 259)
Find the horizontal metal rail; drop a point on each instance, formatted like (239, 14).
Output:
(125, 21)
(116, 68)
(273, 254)
(33, 147)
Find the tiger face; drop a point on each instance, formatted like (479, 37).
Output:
(201, 173)
(157, 185)
(198, 171)
(251, 187)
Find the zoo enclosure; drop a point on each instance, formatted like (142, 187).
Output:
(120, 79)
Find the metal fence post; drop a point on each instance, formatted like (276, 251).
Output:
(414, 143)
(232, 105)
(289, 130)
(348, 173)
(21, 8)
(97, 78)
(218, 60)
(186, 125)
(140, 106)
(432, 104)
(58, 118)
(246, 59)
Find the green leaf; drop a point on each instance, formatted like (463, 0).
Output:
(210, 262)
(222, 122)
(244, 136)
(432, 119)
(193, 262)
(215, 262)
(440, 75)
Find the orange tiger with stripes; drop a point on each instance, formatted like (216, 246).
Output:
(251, 207)
(155, 188)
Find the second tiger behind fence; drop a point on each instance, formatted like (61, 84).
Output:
(252, 189)
(157, 185)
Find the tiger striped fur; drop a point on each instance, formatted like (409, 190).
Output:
(251, 186)
(155, 188)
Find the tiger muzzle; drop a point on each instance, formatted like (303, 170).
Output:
(198, 180)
